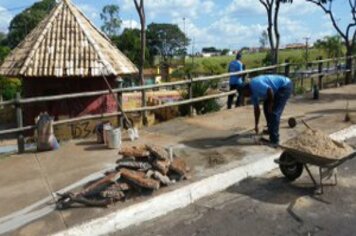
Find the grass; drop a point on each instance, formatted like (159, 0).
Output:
(254, 60)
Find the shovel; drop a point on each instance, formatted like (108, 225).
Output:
(133, 132)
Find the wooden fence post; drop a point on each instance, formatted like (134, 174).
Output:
(144, 104)
(348, 74)
(1, 99)
(20, 137)
(287, 68)
(320, 70)
(190, 94)
(120, 119)
(353, 63)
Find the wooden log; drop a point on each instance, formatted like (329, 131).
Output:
(162, 178)
(140, 179)
(158, 152)
(113, 194)
(68, 199)
(125, 159)
(161, 166)
(110, 178)
(134, 165)
(179, 166)
(135, 151)
(120, 186)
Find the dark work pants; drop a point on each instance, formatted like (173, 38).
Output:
(239, 99)
(273, 119)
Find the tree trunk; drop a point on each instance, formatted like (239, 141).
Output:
(276, 32)
(270, 36)
(349, 65)
(142, 66)
(141, 12)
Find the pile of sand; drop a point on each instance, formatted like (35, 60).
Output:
(320, 144)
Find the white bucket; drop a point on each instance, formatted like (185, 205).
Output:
(114, 138)
(106, 129)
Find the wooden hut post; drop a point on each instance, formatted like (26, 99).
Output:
(119, 82)
(19, 120)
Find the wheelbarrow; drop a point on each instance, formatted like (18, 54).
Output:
(292, 162)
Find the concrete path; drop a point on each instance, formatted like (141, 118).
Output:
(28, 180)
(265, 205)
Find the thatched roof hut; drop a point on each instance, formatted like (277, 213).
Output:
(66, 44)
(66, 53)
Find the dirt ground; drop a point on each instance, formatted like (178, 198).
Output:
(210, 144)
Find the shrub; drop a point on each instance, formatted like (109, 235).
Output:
(9, 87)
(201, 89)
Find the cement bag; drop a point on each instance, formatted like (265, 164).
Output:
(46, 140)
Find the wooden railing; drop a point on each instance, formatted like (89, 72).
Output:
(285, 69)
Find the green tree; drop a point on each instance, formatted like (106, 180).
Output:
(272, 8)
(9, 87)
(26, 21)
(201, 89)
(212, 68)
(263, 39)
(166, 40)
(112, 22)
(129, 43)
(331, 45)
(349, 34)
(210, 50)
(225, 51)
(4, 50)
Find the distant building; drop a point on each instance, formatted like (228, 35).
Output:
(152, 75)
(295, 46)
(210, 52)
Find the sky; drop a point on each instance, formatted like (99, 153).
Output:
(231, 24)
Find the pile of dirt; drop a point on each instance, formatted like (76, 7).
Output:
(215, 158)
(316, 142)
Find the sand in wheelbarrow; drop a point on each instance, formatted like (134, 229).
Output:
(317, 143)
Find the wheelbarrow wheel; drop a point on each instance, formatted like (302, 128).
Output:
(289, 167)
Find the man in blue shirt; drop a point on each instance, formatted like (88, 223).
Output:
(275, 91)
(236, 82)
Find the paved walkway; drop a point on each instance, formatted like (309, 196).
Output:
(265, 205)
(28, 180)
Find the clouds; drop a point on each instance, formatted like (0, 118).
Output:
(130, 24)
(90, 11)
(5, 18)
(172, 8)
(221, 23)
(239, 7)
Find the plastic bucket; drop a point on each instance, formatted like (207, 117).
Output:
(106, 129)
(114, 138)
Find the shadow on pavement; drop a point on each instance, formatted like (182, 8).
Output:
(233, 140)
(326, 97)
(92, 145)
(275, 190)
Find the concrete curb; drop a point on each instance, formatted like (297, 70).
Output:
(167, 202)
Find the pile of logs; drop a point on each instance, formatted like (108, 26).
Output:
(140, 170)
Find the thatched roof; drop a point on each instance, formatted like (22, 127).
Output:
(66, 44)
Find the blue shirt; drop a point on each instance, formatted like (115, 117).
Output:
(235, 66)
(260, 85)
